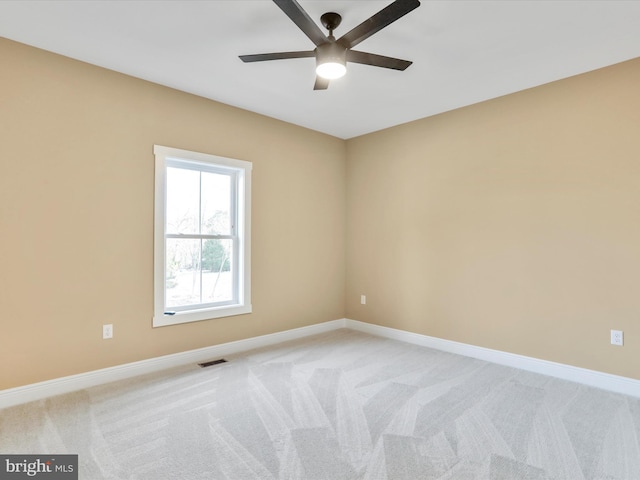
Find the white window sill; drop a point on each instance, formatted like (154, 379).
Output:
(197, 315)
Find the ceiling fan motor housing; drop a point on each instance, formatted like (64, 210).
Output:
(331, 52)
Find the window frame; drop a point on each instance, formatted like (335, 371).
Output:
(240, 172)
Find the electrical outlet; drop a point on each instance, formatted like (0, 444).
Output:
(617, 337)
(363, 299)
(107, 331)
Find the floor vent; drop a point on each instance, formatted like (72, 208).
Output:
(212, 362)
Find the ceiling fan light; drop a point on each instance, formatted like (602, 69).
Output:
(331, 70)
(331, 60)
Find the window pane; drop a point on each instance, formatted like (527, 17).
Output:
(183, 272)
(216, 204)
(217, 271)
(183, 201)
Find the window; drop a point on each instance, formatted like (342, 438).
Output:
(202, 236)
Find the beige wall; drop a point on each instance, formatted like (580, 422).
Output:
(76, 216)
(513, 224)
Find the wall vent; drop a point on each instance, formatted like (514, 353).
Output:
(212, 362)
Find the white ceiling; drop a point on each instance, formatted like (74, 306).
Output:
(464, 52)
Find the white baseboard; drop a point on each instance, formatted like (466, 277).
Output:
(606, 381)
(49, 388)
(37, 391)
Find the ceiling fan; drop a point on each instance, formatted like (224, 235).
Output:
(332, 55)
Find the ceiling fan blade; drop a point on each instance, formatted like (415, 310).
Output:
(261, 57)
(296, 13)
(321, 83)
(377, 60)
(377, 22)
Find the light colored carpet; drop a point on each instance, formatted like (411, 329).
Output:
(342, 405)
